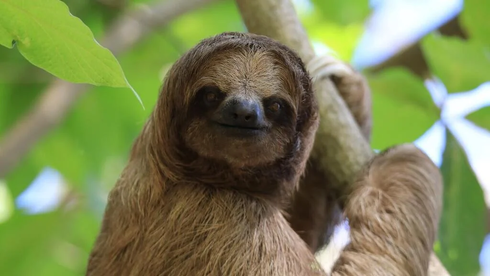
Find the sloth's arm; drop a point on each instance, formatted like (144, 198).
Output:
(315, 209)
(393, 214)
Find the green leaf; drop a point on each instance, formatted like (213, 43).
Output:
(474, 19)
(4, 38)
(51, 38)
(481, 117)
(463, 223)
(343, 12)
(461, 65)
(402, 108)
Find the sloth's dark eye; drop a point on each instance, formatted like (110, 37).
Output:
(278, 110)
(274, 107)
(211, 94)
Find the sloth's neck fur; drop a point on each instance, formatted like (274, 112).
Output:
(154, 226)
(274, 182)
(194, 229)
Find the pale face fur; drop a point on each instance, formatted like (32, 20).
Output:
(257, 77)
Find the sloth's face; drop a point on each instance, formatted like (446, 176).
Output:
(243, 110)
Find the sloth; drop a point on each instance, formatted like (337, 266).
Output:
(214, 167)
(212, 175)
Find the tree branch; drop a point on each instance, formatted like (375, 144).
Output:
(339, 145)
(343, 151)
(60, 96)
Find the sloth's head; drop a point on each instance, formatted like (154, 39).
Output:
(239, 98)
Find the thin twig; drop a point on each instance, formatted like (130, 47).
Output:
(60, 96)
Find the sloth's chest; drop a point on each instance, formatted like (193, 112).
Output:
(221, 238)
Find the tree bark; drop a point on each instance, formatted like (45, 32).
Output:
(343, 151)
(339, 145)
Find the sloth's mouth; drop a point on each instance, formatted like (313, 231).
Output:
(240, 127)
(241, 131)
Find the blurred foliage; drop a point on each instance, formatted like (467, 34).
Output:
(475, 19)
(341, 40)
(462, 228)
(34, 237)
(481, 117)
(218, 18)
(402, 108)
(461, 65)
(91, 145)
(7, 204)
(342, 12)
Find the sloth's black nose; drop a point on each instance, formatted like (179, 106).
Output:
(244, 113)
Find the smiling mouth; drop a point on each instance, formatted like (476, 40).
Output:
(240, 127)
(241, 131)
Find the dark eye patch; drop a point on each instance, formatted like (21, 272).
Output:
(211, 95)
(202, 104)
(278, 110)
(208, 97)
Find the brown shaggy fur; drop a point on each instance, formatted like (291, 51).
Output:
(315, 209)
(194, 202)
(393, 213)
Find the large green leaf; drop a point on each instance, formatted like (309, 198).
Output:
(475, 20)
(51, 38)
(342, 11)
(402, 108)
(463, 223)
(4, 37)
(461, 65)
(481, 117)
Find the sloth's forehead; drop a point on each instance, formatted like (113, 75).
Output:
(241, 63)
(254, 73)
